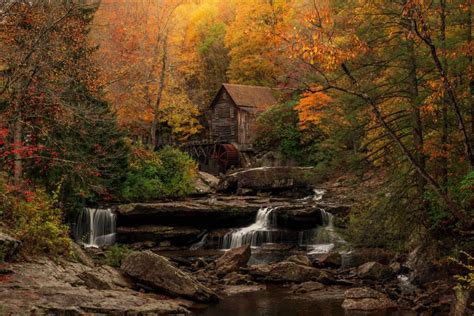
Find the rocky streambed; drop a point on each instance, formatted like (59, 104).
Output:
(285, 258)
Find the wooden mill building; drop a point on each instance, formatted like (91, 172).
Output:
(233, 112)
(231, 120)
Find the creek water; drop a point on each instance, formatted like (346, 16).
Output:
(276, 301)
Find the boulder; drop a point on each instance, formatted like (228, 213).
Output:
(205, 183)
(300, 259)
(81, 256)
(366, 299)
(329, 260)
(284, 272)
(307, 287)
(9, 247)
(360, 256)
(233, 259)
(158, 273)
(374, 270)
(269, 179)
(105, 278)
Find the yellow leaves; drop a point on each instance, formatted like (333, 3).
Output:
(312, 106)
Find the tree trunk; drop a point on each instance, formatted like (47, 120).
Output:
(417, 127)
(17, 141)
(161, 86)
(444, 105)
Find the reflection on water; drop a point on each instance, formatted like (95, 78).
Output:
(276, 301)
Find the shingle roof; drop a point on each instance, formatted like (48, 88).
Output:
(251, 98)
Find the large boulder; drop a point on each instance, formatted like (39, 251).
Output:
(366, 299)
(269, 179)
(158, 273)
(9, 246)
(105, 278)
(233, 259)
(299, 259)
(205, 183)
(284, 272)
(329, 260)
(374, 270)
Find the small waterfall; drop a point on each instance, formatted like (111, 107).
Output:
(325, 237)
(200, 244)
(256, 234)
(95, 227)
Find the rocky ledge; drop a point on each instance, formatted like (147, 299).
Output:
(66, 288)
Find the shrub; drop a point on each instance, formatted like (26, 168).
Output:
(155, 175)
(115, 254)
(35, 221)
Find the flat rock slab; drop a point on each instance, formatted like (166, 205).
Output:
(366, 299)
(47, 287)
(217, 212)
(160, 274)
(177, 236)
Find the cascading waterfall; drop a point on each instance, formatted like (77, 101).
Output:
(325, 238)
(95, 227)
(254, 235)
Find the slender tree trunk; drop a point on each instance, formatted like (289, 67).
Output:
(471, 68)
(17, 141)
(161, 86)
(445, 103)
(417, 127)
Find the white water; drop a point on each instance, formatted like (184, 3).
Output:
(254, 235)
(95, 227)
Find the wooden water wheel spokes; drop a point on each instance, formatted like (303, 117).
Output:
(226, 155)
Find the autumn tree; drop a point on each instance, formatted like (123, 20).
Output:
(60, 132)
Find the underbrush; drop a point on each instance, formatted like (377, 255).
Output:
(115, 254)
(154, 175)
(33, 219)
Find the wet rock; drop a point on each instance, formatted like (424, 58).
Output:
(366, 299)
(9, 246)
(284, 272)
(235, 278)
(205, 183)
(329, 260)
(300, 259)
(198, 213)
(233, 259)
(239, 289)
(44, 287)
(299, 217)
(158, 273)
(396, 267)
(374, 270)
(269, 179)
(81, 256)
(360, 256)
(105, 278)
(175, 236)
(307, 287)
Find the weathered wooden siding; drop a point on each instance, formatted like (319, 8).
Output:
(245, 121)
(224, 119)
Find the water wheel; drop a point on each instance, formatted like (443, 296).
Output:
(226, 155)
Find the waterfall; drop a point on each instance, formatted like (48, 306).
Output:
(95, 227)
(200, 244)
(256, 234)
(325, 237)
